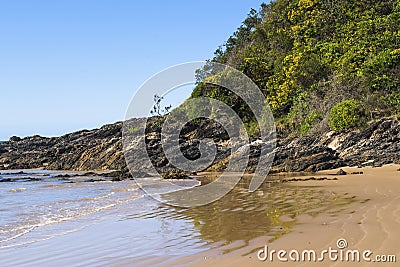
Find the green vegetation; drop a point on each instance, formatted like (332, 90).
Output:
(306, 125)
(307, 56)
(345, 115)
(133, 130)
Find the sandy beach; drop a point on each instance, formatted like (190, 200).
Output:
(372, 223)
(131, 229)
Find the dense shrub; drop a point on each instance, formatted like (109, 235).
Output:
(308, 123)
(345, 115)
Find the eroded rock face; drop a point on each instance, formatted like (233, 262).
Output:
(101, 149)
(376, 145)
(304, 154)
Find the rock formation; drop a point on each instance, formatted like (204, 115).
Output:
(101, 149)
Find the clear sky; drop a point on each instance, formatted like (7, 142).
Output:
(67, 65)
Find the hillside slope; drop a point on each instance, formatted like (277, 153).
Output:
(321, 65)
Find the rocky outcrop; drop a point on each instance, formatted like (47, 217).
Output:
(101, 149)
(377, 144)
(304, 154)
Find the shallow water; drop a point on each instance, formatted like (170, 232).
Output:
(52, 221)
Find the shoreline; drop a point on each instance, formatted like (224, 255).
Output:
(102, 149)
(372, 222)
(362, 208)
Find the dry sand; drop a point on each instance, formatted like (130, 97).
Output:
(372, 222)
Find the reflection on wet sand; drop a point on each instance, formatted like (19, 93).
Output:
(242, 216)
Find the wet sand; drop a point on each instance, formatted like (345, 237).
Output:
(372, 222)
(363, 208)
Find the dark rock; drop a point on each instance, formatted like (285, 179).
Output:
(308, 179)
(12, 173)
(93, 180)
(64, 179)
(62, 176)
(115, 174)
(81, 151)
(2, 149)
(30, 179)
(341, 172)
(21, 179)
(120, 174)
(174, 174)
(101, 149)
(357, 173)
(90, 174)
(14, 139)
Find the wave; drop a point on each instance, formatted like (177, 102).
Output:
(21, 221)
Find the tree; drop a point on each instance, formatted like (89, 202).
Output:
(157, 110)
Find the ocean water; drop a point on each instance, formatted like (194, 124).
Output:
(54, 220)
(38, 199)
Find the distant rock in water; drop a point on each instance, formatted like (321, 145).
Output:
(341, 172)
(174, 175)
(101, 149)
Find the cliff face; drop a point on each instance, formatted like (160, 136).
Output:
(101, 149)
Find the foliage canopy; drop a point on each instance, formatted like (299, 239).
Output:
(308, 55)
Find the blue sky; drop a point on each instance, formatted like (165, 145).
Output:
(70, 65)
